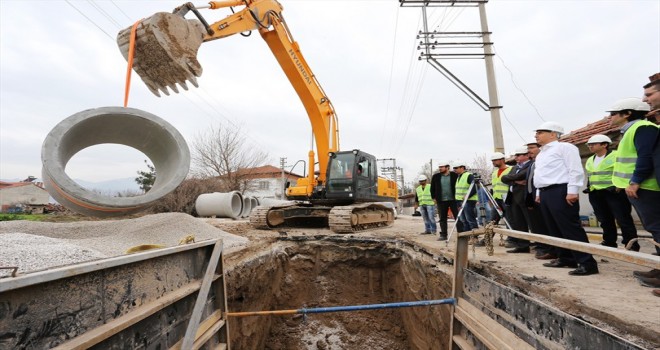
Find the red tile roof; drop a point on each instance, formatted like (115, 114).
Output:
(581, 135)
(266, 171)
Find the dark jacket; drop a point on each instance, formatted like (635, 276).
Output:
(656, 158)
(519, 192)
(436, 185)
(530, 199)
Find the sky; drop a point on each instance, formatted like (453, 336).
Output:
(564, 61)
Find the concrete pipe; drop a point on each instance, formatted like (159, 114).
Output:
(151, 135)
(223, 205)
(247, 207)
(254, 202)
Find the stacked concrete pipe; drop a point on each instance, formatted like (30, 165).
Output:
(247, 207)
(220, 204)
(151, 135)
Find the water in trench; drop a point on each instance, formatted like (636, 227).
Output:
(293, 275)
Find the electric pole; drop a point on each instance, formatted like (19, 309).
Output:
(282, 165)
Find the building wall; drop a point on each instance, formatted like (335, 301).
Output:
(265, 188)
(29, 194)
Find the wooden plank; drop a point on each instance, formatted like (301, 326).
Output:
(117, 325)
(460, 264)
(462, 343)
(188, 339)
(486, 329)
(199, 342)
(203, 327)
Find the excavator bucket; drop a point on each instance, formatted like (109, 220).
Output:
(165, 52)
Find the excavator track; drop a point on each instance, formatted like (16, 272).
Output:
(359, 217)
(259, 218)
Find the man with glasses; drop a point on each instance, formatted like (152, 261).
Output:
(443, 192)
(558, 177)
(536, 220)
(609, 203)
(633, 170)
(515, 200)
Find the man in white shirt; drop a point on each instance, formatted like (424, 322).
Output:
(558, 177)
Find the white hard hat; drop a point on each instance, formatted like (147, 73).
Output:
(458, 163)
(551, 126)
(521, 150)
(632, 103)
(497, 155)
(444, 163)
(599, 139)
(421, 178)
(532, 142)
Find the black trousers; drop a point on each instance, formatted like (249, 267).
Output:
(520, 221)
(537, 225)
(563, 221)
(611, 207)
(443, 207)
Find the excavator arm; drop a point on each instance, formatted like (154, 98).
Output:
(166, 47)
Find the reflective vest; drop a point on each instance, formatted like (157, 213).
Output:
(462, 187)
(600, 177)
(626, 159)
(499, 187)
(424, 195)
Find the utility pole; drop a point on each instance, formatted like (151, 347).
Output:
(282, 164)
(437, 46)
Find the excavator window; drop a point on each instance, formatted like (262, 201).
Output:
(341, 166)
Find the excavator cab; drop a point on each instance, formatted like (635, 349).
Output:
(352, 177)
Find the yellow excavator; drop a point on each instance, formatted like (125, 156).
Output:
(346, 192)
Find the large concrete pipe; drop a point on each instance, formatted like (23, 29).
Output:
(151, 135)
(247, 207)
(254, 202)
(224, 205)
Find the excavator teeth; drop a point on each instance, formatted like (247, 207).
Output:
(166, 47)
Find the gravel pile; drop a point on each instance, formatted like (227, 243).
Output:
(20, 241)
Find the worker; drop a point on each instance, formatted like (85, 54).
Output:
(443, 192)
(610, 204)
(463, 182)
(500, 189)
(536, 222)
(633, 169)
(516, 181)
(652, 97)
(424, 202)
(558, 177)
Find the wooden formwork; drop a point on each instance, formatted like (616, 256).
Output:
(172, 298)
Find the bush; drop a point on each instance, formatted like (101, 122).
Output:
(11, 217)
(183, 198)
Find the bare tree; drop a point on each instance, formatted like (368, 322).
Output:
(482, 166)
(426, 170)
(224, 152)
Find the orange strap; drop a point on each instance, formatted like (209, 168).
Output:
(131, 53)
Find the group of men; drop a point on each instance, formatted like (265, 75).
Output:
(540, 193)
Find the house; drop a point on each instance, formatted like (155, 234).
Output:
(266, 181)
(28, 197)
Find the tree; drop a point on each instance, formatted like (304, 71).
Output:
(146, 179)
(427, 171)
(482, 166)
(223, 152)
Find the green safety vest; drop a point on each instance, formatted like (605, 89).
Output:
(499, 187)
(462, 187)
(626, 159)
(600, 177)
(424, 195)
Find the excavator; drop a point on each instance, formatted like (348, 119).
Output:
(345, 194)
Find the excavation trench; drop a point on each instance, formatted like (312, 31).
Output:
(311, 273)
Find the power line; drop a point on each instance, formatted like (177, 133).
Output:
(120, 10)
(518, 88)
(389, 85)
(105, 14)
(90, 20)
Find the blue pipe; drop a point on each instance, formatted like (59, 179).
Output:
(319, 310)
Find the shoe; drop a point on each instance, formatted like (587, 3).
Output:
(649, 282)
(611, 245)
(584, 271)
(519, 250)
(656, 292)
(442, 238)
(559, 263)
(509, 244)
(635, 246)
(546, 256)
(425, 233)
(648, 274)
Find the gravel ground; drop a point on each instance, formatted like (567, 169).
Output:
(37, 245)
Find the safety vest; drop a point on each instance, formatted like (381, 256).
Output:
(424, 195)
(499, 187)
(626, 159)
(462, 187)
(600, 177)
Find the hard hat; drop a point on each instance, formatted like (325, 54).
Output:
(444, 163)
(521, 150)
(421, 178)
(632, 103)
(458, 163)
(532, 142)
(497, 155)
(551, 126)
(599, 139)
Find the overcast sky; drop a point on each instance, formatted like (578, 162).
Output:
(564, 61)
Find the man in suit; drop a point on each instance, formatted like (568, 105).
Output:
(516, 200)
(536, 221)
(443, 192)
